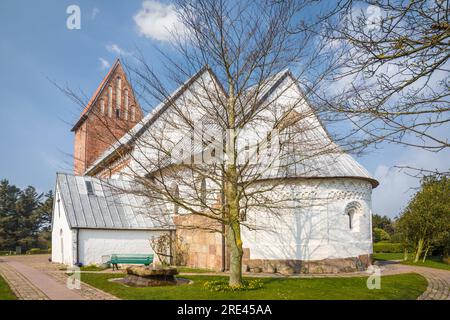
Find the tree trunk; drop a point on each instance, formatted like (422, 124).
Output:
(405, 254)
(236, 252)
(425, 254)
(419, 249)
(234, 239)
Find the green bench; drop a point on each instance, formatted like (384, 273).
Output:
(145, 259)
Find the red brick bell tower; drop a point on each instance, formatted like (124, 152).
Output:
(111, 112)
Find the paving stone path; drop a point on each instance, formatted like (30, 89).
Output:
(438, 280)
(34, 278)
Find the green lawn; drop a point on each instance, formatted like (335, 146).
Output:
(5, 291)
(431, 262)
(404, 287)
(193, 270)
(91, 268)
(388, 256)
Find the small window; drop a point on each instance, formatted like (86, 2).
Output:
(117, 113)
(126, 104)
(110, 98)
(350, 214)
(89, 188)
(243, 215)
(269, 144)
(203, 192)
(353, 212)
(102, 106)
(176, 195)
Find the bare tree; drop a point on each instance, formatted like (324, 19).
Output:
(392, 83)
(215, 152)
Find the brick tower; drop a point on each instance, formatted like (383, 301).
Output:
(111, 112)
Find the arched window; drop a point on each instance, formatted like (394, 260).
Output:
(133, 114)
(350, 214)
(203, 192)
(352, 210)
(110, 103)
(102, 106)
(125, 102)
(176, 195)
(118, 92)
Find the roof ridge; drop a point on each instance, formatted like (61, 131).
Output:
(96, 94)
(152, 116)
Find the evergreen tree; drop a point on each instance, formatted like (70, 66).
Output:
(25, 217)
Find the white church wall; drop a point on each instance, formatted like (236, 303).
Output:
(93, 244)
(314, 231)
(62, 235)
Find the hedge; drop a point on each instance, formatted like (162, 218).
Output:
(7, 253)
(387, 247)
(38, 251)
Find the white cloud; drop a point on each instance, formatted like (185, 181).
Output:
(104, 64)
(157, 20)
(396, 187)
(114, 48)
(94, 13)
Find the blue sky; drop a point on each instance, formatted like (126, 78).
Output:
(35, 117)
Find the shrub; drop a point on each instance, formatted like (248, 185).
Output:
(387, 247)
(38, 251)
(92, 267)
(223, 286)
(380, 235)
(7, 253)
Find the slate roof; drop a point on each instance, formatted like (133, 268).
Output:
(100, 204)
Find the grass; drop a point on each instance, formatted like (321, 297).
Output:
(193, 270)
(388, 256)
(401, 287)
(430, 262)
(5, 291)
(91, 267)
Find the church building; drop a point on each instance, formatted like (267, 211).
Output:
(91, 220)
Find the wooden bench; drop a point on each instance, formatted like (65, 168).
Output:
(145, 259)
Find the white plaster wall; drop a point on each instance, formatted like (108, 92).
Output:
(313, 230)
(62, 235)
(93, 244)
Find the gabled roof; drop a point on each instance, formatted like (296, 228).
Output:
(149, 119)
(333, 164)
(108, 206)
(95, 96)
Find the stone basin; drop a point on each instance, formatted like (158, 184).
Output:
(138, 276)
(152, 271)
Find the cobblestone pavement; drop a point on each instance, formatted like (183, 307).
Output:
(438, 280)
(21, 286)
(40, 263)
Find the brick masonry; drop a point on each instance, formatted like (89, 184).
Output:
(99, 130)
